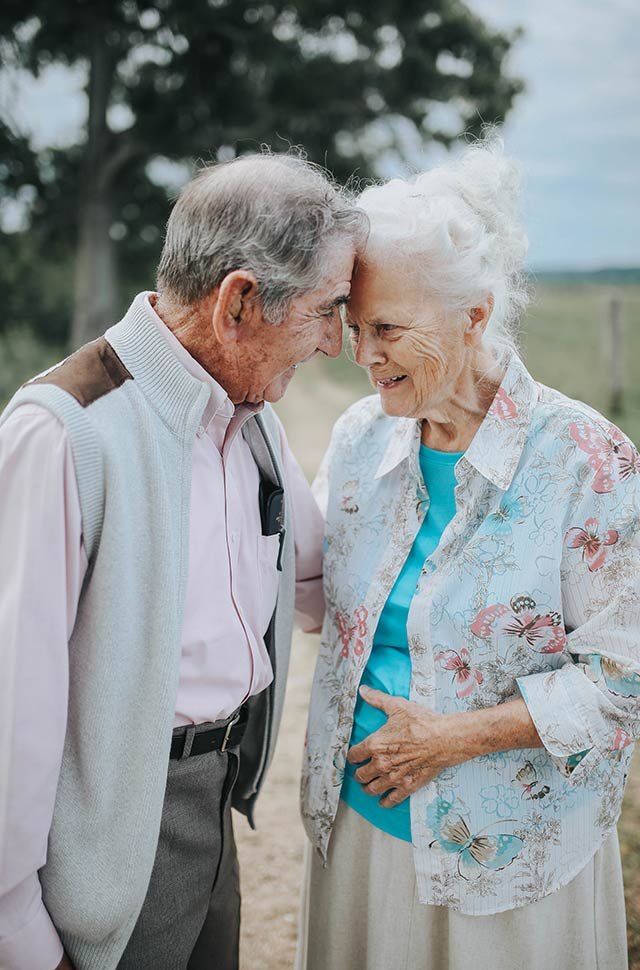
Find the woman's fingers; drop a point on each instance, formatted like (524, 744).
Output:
(377, 698)
(395, 796)
(366, 773)
(398, 783)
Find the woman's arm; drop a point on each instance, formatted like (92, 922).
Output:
(581, 711)
(416, 744)
(588, 708)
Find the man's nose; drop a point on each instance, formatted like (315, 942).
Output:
(331, 343)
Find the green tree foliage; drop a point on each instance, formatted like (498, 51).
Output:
(190, 80)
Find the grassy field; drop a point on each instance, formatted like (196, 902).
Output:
(564, 344)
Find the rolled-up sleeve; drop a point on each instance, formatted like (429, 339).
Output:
(42, 564)
(590, 706)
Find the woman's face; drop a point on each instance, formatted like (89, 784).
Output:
(413, 351)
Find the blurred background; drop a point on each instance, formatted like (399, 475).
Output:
(108, 106)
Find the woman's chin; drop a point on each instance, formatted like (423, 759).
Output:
(395, 405)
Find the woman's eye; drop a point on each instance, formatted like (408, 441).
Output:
(385, 328)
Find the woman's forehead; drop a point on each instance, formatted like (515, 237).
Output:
(385, 283)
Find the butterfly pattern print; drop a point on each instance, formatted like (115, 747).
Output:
(593, 545)
(621, 740)
(503, 407)
(523, 621)
(509, 513)
(533, 593)
(619, 678)
(531, 787)
(350, 629)
(573, 760)
(349, 504)
(612, 456)
(465, 677)
(475, 852)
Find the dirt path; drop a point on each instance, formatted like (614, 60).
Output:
(271, 857)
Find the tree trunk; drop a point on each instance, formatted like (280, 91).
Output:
(95, 303)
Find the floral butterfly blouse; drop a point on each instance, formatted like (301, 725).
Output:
(533, 591)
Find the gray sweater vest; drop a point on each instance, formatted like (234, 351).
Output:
(131, 412)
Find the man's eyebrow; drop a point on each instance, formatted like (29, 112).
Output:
(339, 300)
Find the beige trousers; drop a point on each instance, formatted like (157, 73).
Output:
(362, 913)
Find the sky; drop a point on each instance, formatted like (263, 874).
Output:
(575, 130)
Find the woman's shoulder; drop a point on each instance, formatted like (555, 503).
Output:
(361, 435)
(560, 414)
(583, 439)
(362, 416)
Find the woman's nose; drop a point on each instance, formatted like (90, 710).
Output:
(366, 351)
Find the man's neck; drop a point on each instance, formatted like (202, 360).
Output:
(191, 326)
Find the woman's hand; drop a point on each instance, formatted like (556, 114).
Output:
(405, 753)
(416, 744)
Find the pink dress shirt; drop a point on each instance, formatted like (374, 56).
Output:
(230, 597)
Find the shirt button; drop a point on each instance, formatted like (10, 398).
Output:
(234, 536)
(200, 430)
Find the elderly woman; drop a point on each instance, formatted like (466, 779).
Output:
(477, 689)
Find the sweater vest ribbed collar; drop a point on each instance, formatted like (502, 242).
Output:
(177, 396)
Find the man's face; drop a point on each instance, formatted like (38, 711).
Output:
(313, 323)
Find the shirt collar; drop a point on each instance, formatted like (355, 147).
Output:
(496, 448)
(497, 445)
(403, 443)
(219, 406)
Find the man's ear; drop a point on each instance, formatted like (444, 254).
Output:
(478, 317)
(237, 305)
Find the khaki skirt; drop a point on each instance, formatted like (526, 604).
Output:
(362, 913)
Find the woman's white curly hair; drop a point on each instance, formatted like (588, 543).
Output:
(460, 224)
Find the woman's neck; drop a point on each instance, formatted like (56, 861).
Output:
(453, 423)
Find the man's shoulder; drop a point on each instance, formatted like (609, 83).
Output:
(87, 375)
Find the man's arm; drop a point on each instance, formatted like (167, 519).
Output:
(308, 526)
(42, 565)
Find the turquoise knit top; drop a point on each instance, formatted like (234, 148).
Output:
(389, 666)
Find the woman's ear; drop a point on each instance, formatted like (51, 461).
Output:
(478, 318)
(237, 305)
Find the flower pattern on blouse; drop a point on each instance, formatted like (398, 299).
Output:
(533, 591)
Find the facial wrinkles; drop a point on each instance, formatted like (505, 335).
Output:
(430, 357)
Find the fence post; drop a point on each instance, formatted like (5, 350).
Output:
(617, 353)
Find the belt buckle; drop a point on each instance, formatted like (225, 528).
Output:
(227, 733)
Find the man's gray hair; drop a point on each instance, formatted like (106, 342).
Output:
(274, 215)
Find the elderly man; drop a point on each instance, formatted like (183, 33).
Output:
(156, 536)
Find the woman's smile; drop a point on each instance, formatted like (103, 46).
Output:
(388, 383)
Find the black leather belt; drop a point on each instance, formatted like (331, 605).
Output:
(216, 739)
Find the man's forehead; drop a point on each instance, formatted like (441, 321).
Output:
(332, 290)
(338, 261)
